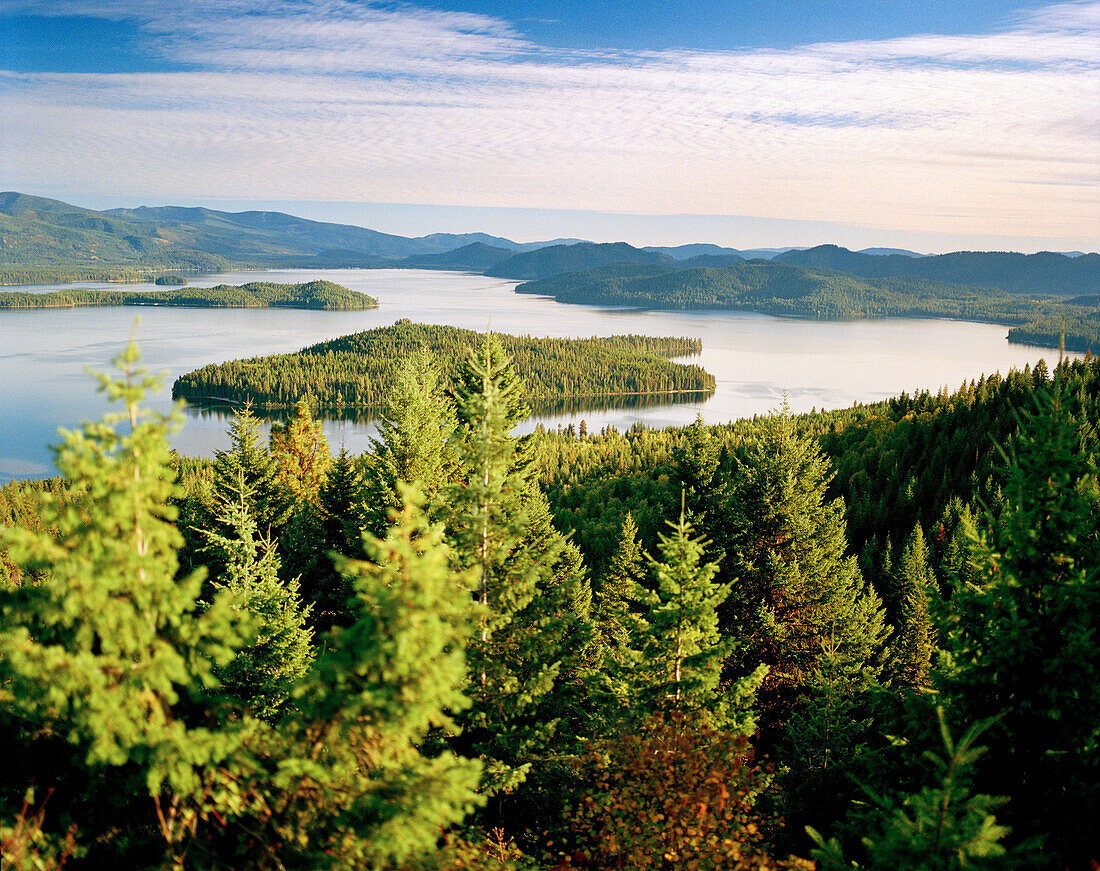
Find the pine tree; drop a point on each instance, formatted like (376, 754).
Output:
(301, 455)
(795, 588)
(99, 665)
(343, 515)
(279, 649)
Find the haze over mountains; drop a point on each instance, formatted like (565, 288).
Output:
(45, 240)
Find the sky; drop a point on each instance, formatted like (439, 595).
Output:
(923, 124)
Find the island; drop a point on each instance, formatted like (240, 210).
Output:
(356, 371)
(255, 294)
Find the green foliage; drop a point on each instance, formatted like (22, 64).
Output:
(1025, 635)
(941, 828)
(359, 371)
(256, 294)
(914, 636)
(681, 650)
(278, 650)
(415, 438)
(515, 654)
(788, 289)
(98, 664)
(796, 593)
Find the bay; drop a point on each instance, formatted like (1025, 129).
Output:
(757, 359)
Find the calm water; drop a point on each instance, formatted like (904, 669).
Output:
(44, 354)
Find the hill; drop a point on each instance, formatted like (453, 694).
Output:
(1044, 273)
(43, 240)
(559, 259)
(475, 257)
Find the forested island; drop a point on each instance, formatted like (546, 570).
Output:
(255, 294)
(358, 371)
(861, 639)
(777, 288)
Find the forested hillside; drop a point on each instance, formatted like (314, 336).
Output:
(859, 639)
(255, 294)
(778, 288)
(358, 371)
(1045, 273)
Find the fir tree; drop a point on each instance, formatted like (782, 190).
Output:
(250, 460)
(301, 456)
(515, 653)
(681, 649)
(795, 588)
(99, 665)
(914, 636)
(1024, 638)
(279, 649)
(415, 442)
(619, 589)
(344, 521)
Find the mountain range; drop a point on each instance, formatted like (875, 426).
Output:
(44, 240)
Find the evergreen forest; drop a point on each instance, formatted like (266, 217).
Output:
(358, 371)
(255, 294)
(859, 639)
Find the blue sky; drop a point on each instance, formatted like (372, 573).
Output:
(930, 125)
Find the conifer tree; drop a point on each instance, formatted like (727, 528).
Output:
(795, 588)
(301, 456)
(619, 589)
(279, 649)
(515, 652)
(415, 442)
(352, 787)
(249, 459)
(1024, 639)
(343, 515)
(98, 666)
(914, 637)
(681, 649)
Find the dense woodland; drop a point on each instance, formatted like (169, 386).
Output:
(858, 639)
(358, 371)
(779, 288)
(255, 294)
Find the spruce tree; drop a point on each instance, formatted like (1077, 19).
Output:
(795, 587)
(343, 515)
(249, 459)
(681, 649)
(619, 589)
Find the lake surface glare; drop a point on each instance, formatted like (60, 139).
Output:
(44, 354)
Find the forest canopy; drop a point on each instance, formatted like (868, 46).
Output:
(357, 371)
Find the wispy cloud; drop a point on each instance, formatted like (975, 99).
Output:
(327, 99)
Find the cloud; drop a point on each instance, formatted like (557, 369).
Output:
(327, 99)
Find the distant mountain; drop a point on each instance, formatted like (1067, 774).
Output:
(712, 261)
(883, 252)
(765, 253)
(686, 252)
(476, 257)
(1042, 273)
(559, 259)
(49, 240)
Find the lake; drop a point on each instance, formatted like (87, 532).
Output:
(44, 354)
